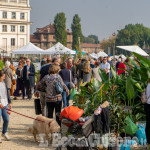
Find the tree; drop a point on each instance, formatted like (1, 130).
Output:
(76, 32)
(92, 39)
(134, 35)
(60, 28)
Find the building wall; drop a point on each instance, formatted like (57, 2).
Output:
(21, 38)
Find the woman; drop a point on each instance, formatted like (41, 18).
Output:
(5, 101)
(95, 71)
(14, 79)
(53, 99)
(65, 75)
(147, 111)
(8, 75)
(122, 67)
(86, 72)
(20, 84)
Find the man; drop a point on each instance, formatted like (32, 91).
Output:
(43, 72)
(71, 67)
(105, 66)
(5, 101)
(29, 78)
(56, 61)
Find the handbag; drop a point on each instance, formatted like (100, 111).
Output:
(71, 83)
(37, 105)
(59, 87)
(14, 77)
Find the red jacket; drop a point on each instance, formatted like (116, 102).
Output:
(121, 68)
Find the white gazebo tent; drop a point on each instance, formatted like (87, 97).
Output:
(93, 55)
(102, 54)
(28, 49)
(59, 49)
(135, 49)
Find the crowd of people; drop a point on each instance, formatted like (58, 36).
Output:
(54, 82)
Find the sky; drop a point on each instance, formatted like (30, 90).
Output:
(98, 17)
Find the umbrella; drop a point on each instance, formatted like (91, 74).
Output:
(135, 49)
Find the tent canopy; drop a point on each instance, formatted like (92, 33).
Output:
(135, 49)
(59, 49)
(28, 49)
(102, 54)
(93, 55)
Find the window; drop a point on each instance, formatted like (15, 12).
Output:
(21, 28)
(12, 41)
(4, 28)
(54, 37)
(13, 28)
(45, 44)
(4, 14)
(13, 15)
(45, 36)
(22, 16)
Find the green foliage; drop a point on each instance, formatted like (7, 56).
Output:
(92, 39)
(1, 65)
(76, 32)
(134, 35)
(60, 28)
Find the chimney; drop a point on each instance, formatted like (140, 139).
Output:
(48, 30)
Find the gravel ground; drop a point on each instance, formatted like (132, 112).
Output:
(18, 126)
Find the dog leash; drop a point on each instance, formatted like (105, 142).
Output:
(23, 115)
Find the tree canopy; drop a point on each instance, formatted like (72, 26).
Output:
(60, 28)
(134, 35)
(76, 32)
(93, 39)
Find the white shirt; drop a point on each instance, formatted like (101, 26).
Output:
(105, 66)
(148, 93)
(3, 94)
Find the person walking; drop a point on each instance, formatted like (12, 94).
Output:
(5, 101)
(29, 78)
(66, 76)
(8, 75)
(52, 97)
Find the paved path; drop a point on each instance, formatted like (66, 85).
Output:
(18, 126)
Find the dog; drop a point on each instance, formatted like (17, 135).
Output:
(44, 126)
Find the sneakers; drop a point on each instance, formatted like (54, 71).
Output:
(6, 136)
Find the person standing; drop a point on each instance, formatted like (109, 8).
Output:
(53, 99)
(29, 78)
(5, 101)
(71, 67)
(105, 66)
(43, 72)
(122, 67)
(8, 75)
(20, 84)
(95, 72)
(87, 74)
(147, 111)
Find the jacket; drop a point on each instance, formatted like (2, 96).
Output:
(8, 77)
(31, 75)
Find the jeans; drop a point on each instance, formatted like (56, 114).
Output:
(5, 117)
(54, 105)
(65, 97)
(28, 89)
(147, 130)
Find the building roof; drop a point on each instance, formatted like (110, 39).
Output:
(87, 45)
(33, 38)
(49, 29)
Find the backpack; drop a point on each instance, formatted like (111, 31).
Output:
(59, 86)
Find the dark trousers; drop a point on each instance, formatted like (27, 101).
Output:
(147, 130)
(28, 89)
(54, 105)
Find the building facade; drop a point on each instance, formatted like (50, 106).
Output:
(14, 24)
(45, 37)
(91, 48)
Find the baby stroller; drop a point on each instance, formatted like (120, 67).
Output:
(70, 118)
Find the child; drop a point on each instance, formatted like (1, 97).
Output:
(5, 101)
